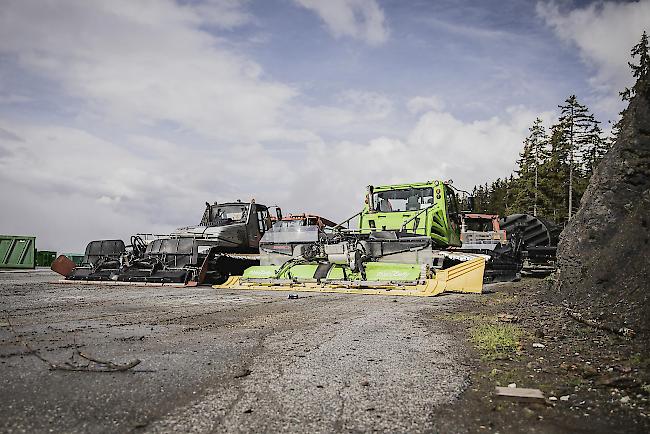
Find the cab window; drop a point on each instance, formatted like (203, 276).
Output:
(263, 220)
(452, 206)
(409, 199)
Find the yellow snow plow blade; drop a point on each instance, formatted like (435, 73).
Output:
(465, 277)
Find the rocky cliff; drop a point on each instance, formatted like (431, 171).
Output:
(604, 252)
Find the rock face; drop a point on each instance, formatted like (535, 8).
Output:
(604, 252)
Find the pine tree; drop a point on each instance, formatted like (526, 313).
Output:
(642, 74)
(525, 189)
(486, 198)
(641, 71)
(511, 194)
(616, 129)
(595, 148)
(581, 130)
(555, 171)
(565, 159)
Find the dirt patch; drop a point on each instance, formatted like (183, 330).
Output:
(593, 380)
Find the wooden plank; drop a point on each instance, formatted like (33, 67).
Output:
(519, 393)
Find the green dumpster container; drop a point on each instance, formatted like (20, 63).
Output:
(44, 258)
(17, 251)
(77, 258)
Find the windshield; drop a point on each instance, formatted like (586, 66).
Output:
(479, 225)
(217, 215)
(411, 199)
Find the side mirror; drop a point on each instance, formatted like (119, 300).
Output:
(370, 200)
(278, 213)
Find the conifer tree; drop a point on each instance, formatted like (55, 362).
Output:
(595, 148)
(641, 71)
(565, 158)
(525, 188)
(555, 169)
(486, 199)
(642, 74)
(511, 194)
(580, 130)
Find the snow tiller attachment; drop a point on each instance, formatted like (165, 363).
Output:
(399, 247)
(382, 278)
(224, 243)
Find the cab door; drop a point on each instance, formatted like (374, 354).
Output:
(453, 217)
(260, 222)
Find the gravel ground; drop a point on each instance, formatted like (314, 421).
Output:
(215, 361)
(595, 381)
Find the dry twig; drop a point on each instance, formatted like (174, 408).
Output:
(94, 365)
(623, 331)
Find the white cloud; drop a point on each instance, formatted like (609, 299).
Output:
(352, 109)
(222, 13)
(147, 61)
(439, 146)
(419, 104)
(361, 19)
(465, 31)
(471, 152)
(131, 66)
(604, 32)
(68, 185)
(376, 105)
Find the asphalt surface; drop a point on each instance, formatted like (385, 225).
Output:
(223, 361)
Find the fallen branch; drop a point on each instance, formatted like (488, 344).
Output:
(110, 365)
(94, 365)
(623, 331)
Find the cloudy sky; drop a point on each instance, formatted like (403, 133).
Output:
(125, 116)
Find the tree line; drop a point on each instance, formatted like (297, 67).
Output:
(557, 162)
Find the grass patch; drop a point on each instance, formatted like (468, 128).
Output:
(496, 341)
(575, 382)
(639, 361)
(504, 377)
